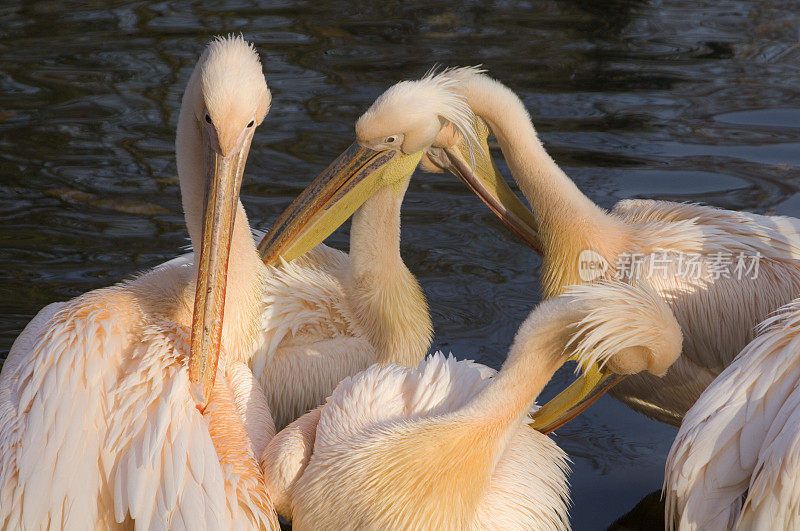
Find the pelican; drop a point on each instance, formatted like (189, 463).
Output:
(133, 403)
(733, 464)
(716, 308)
(446, 445)
(329, 315)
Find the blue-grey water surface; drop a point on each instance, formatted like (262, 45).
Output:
(679, 100)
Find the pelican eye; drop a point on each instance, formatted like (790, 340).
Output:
(252, 123)
(208, 118)
(390, 139)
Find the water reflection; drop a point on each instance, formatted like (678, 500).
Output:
(664, 99)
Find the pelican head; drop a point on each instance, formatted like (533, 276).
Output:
(426, 120)
(228, 98)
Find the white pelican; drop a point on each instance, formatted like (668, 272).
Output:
(716, 308)
(99, 419)
(445, 445)
(328, 315)
(734, 463)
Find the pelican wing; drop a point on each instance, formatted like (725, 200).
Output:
(310, 339)
(734, 430)
(776, 237)
(163, 465)
(53, 412)
(366, 400)
(773, 496)
(303, 298)
(386, 396)
(354, 439)
(718, 314)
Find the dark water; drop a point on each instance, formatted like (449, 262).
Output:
(680, 100)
